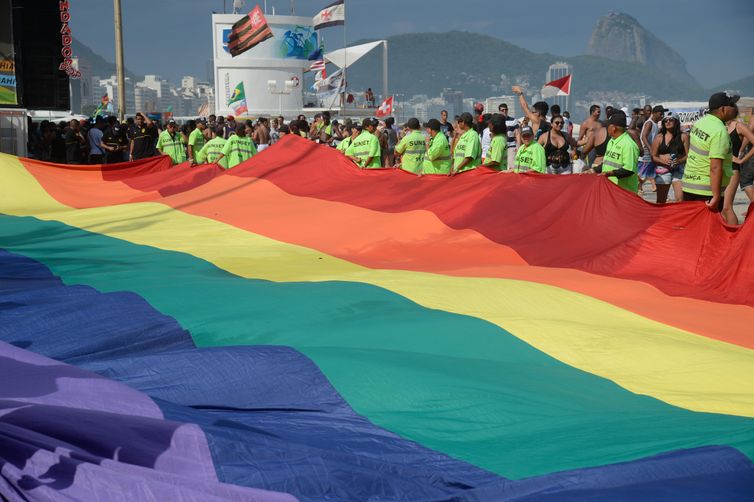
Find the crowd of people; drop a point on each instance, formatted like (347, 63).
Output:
(708, 162)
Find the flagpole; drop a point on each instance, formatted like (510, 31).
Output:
(345, 64)
(119, 66)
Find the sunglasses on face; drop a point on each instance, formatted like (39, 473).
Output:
(557, 123)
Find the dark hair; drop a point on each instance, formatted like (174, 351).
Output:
(636, 110)
(555, 109)
(212, 115)
(593, 108)
(556, 117)
(676, 129)
(502, 105)
(219, 130)
(284, 128)
(444, 111)
(497, 123)
(389, 121)
(541, 107)
(466, 118)
(241, 128)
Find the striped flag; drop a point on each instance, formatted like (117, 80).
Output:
(317, 65)
(332, 15)
(249, 31)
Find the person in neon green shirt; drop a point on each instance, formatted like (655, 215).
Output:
(468, 150)
(169, 143)
(709, 165)
(365, 150)
(238, 148)
(497, 156)
(622, 156)
(212, 150)
(530, 155)
(437, 160)
(196, 140)
(353, 131)
(412, 148)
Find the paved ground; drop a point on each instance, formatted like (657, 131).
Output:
(740, 204)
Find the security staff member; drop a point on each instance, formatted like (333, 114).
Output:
(142, 138)
(114, 142)
(709, 165)
(365, 150)
(468, 151)
(622, 155)
(530, 155)
(412, 148)
(170, 143)
(212, 150)
(238, 148)
(437, 160)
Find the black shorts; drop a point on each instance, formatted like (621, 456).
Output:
(747, 174)
(701, 198)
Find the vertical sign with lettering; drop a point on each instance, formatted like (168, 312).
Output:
(65, 35)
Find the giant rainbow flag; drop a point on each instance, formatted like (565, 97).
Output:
(297, 328)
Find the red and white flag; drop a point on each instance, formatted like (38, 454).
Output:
(317, 65)
(559, 87)
(386, 108)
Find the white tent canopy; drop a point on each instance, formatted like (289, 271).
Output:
(350, 55)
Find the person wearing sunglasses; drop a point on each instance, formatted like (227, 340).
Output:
(669, 150)
(556, 143)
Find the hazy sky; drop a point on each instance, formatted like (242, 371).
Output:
(172, 38)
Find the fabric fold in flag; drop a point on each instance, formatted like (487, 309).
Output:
(248, 32)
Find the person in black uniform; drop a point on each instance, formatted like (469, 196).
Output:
(114, 142)
(142, 138)
(74, 142)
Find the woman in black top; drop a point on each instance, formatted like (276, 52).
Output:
(557, 143)
(596, 139)
(669, 151)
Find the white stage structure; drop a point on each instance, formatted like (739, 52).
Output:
(282, 59)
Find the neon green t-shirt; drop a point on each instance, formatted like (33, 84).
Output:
(437, 159)
(497, 153)
(531, 157)
(211, 150)
(196, 141)
(238, 149)
(343, 145)
(172, 146)
(709, 139)
(412, 148)
(468, 146)
(366, 145)
(622, 152)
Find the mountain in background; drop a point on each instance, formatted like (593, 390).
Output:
(620, 37)
(743, 86)
(100, 67)
(481, 66)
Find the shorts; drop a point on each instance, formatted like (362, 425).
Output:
(664, 178)
(646, 169)
(677, 173)
(559, 170)
(261, 148)
(747, 174)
